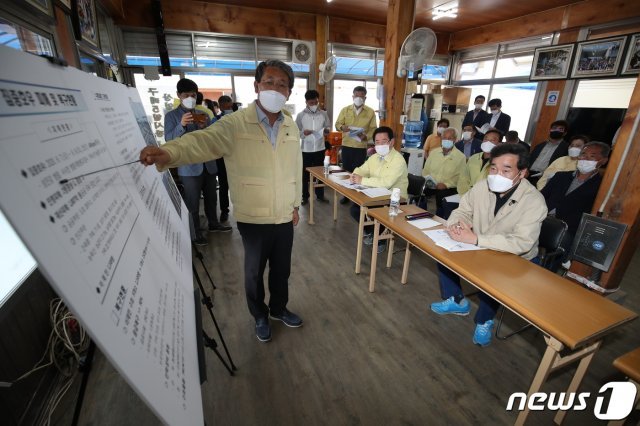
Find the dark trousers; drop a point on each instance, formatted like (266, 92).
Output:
(261, 243)
(224, 186)
(450, 286)
(355, 213)
(311, 159)
(353, 157)
(193, 186)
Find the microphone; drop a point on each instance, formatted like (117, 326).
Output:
(63, 181)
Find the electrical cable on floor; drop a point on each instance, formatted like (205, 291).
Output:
(67, 343)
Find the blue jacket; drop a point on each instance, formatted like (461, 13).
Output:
(475, 146)
(173, 129)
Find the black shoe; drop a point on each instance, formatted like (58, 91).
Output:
(224, 217)
(322, 199)
(288, 318)
(304, 201)
(200, 241)
(344, 200)
(219, 228)
(263, 329)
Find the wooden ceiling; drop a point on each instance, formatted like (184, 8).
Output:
(472, 13)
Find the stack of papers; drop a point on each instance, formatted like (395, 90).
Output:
(485, 127)
(369, 192)
(425, 223)
(442, 239)
(354, 132)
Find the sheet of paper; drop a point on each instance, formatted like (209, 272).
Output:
(455, 198)
(375, 192)
(115, 244)
(442, 239)
(425, 223)
(341, 174)
(485, 127)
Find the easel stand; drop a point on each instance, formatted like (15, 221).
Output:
(208, 303)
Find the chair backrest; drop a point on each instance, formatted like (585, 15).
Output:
(551, 235)
(416, 185)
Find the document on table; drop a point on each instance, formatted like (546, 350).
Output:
(341, 174)
(425, 223)
(455, 198)
(442, 239)
(375, 192)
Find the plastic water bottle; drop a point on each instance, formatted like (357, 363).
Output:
(413, 134)
(327, 161)
(394, 205)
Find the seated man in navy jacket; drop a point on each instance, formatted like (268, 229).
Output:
(469, 144)
(549, 151)
(570, 194)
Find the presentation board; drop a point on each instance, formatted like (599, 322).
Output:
(115, 244)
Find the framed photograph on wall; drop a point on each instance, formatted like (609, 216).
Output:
(42, 5)
(598, 58)
(632, 59)
(551, 63)
(66, 4)
(85, 22)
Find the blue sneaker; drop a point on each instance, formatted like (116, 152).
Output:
(288, 318)
(483, 333)
(449, 306)
(263, 329)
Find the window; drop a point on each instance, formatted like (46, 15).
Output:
(604, 93)
(516, 66)
(20, 38)
(142, 49)
(478, 70)
(359, 61)
(517, 101)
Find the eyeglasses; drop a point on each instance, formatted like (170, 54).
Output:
(270, 85)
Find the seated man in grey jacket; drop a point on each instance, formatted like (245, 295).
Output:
(504, 213)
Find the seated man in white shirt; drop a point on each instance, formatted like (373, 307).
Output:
(385, 169)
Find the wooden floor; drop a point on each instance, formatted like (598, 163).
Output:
(360, 358)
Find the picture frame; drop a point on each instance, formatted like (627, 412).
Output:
(552, 62)
(632, 58)
(65, 4)
(45, 6)
(598, 58)
(85, 21)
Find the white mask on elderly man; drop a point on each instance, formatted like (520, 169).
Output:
(487, 146)
(447, 144)
(271, 100)
(587, 166)
(358, 102)
(466, 136)
(499, 183)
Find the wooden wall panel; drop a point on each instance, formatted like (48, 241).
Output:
(585, 13)
(67, 45)
(322, 23)
(208, 17)
(348, 31)
(115, 8)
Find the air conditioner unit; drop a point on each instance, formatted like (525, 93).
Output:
(302, 52)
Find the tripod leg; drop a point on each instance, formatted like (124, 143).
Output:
(224, 345)
(213, 345)
(206, 301)
(206, 271)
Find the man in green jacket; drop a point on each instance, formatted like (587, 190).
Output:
(261, 149)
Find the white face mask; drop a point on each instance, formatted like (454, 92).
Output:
(495, 111)
(358, 101)
(313, 108)
(487, 146)
(382, 150)
(499, 183)
(466, 136)
(478, 106)
(574, 151)
(189, 103)
(272, 100)
(228, 111)
(440, 130)
(447, 144)
(587, 166)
